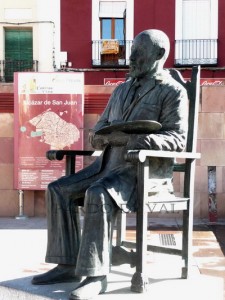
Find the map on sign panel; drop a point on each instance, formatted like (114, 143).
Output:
(52, 130)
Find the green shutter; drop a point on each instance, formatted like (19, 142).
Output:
(18, 51)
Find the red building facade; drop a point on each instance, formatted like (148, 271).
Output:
(77, 38)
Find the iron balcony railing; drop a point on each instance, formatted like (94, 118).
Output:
(111, 53)
(8, 67)
(196, 51)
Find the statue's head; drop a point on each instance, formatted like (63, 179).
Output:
(149, 52)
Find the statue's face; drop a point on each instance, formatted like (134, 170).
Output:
(143, 57)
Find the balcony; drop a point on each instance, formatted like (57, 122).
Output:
(8, 67)
(196, 52)
(111, 53)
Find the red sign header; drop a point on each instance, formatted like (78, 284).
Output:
(203, 81)
(113, 81)
(212, 81)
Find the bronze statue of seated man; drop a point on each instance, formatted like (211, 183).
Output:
(110, 183)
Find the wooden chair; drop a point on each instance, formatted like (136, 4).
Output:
(184, 203)
(139, 281)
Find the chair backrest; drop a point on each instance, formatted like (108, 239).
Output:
(193, 90)
(193, 87)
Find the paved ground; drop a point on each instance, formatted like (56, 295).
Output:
(22, 251)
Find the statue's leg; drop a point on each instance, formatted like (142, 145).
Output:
(63, 227)
(95, 249)
(63, 219)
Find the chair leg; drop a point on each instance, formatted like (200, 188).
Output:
(139, 282)
(186, 244)
(120, 227)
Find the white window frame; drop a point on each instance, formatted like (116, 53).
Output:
(196, 44)
(96, 34)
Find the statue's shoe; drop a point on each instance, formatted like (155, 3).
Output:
(56, 275)
(89, 288)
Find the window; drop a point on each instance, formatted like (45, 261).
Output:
(196, 32)
(110, 41)
(112, 29)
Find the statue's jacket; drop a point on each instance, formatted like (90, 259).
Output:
(161, 99)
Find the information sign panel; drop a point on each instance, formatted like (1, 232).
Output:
(49, 110)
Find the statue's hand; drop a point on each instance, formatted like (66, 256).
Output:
(117, 138)
(97, 141)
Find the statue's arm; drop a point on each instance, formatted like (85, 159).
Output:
(172, 136)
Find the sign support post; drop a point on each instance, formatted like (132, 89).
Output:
(21, 215)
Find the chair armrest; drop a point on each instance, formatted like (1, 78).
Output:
(59, 154)
(141, 155)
